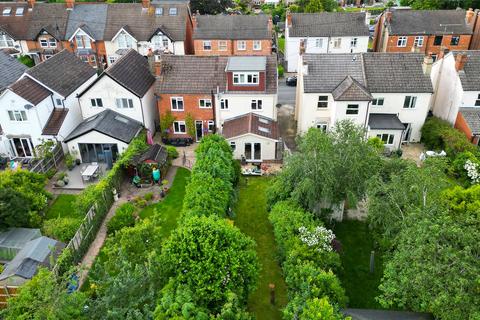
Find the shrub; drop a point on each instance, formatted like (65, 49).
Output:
(172, 152)
(458, 165)
(280, 71)
(148, 196)
(50, 173)
(124, 217)
(62, 229)
(69, 161)
(26, 60)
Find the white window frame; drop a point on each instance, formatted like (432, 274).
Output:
(6, 11)
(96, 102)
(174, 103)
(223, 104)
(19, 11)
(124, 103)
(412, 101)
(257, 45)
(124, 41)
(222, 45)
(159, 11)
(402, 42)
(246, 78)
(207, 103)
(207, 45)
(172, 11)
(241, 45)
(17, 115)
(83, 41)
(319, 43)
(352, 107)
(378, 102)
(43, 43)
(388, 137)
(6, 41)
(322, 126)
(354, 42)
(211, 125)
(477, 102)
(256, 104)
(418, 42)
(178, 125)
(322, 101)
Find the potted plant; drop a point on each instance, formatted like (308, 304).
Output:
(69, 161)
(164, 189)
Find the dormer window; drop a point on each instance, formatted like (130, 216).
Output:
(7, 11)
(159, 11)
(124, 41)
(172, 11)
(83, 41)
(48, 42)
(19, 11)
(160, 42)
(247, 78)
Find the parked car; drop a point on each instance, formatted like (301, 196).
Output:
(291, 81)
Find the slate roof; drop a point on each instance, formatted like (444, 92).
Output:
(202, 74)
(109, 123)
(132, 71)
(375, 71)
(15, 26)
(351, 90)
(250, 123)
(470, 76)
(328, 24)
(472, 117)
(378, 121)
(30, 90)
(63, 73)
(428, 22)
(232, 27)
(11, 69)
(143, 23)
(51, 17)
(90, 17)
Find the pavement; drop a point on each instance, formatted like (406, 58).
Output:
(286, 113)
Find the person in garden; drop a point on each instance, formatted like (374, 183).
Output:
(156, 175)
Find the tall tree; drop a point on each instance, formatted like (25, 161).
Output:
(210, 6)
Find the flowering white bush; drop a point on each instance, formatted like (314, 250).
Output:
(320, 237)
(472, 171)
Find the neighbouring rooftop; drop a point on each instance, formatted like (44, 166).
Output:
(328, 24)
(232, 27)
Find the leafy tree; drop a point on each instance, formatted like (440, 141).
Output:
(210, 6)
(328, 168)
(13, 209)
(314, 6)
(44, 298)
(190, 124)
(320, 309)
(166, 122)
(210, 258)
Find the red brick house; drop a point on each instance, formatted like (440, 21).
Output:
(468, 121)
(426, 31)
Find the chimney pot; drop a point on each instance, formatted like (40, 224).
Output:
(145, 4)
(158, 68)
(31, 3)
(460, 61)
(469, 16)
(427, 64)
(70, 4)
(388, 16)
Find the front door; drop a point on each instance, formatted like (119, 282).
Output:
(407, 133)
(199, 129)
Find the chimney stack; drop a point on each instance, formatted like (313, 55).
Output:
(427, 64)
(194, 20)
(460, 61)
(289, 19)
(145, 4)
(31, 3)
(469, 16)
(388, 16)
(270, 24)
(70, 4)
(302, 46)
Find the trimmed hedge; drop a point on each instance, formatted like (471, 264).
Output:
(309, 270)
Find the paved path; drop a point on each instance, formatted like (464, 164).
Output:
(97, 244)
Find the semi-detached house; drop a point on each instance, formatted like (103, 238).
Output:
(325, 32)
(389, 94)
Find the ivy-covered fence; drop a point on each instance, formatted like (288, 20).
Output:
(95, 202)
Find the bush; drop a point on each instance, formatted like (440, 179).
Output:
(26, 60)
(458, 165)
(62, 229)
(124, 217)
(280, 71)
(148, 196)
(172, 152)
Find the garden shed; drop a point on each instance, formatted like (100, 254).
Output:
(155, 156)
(13, 240)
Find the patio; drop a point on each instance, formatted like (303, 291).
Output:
(75, 180)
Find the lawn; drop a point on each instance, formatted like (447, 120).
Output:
(62, 206)
(360, 285)
(169, 209)
(252, 219)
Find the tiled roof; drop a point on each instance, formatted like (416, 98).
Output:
(250, 123)
(470, 76)
(63, 73)
(351, 90)
(472, 117)
(377, 72)
(10, 69)
(14, 25)
(51, 17)
(30, 90)
(232, 27)
(143, 23)
(110, 123)
(132, 71)
(54, 123)
(328, 24)
(90, 17)
(428, 22)
(379, 121)
(199, 74)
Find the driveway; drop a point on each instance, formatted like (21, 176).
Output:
(286, 94)
(286, 113)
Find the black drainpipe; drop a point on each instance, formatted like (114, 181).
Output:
(214, 113)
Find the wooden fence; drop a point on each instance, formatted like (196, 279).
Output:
(44, 165)
(5, 293)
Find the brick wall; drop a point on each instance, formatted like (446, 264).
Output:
(428, 44)
(191, 105)
(189, 49)
(266, 48)
(259, 87)
(462, 125)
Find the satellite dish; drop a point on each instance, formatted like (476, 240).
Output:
(28, 106)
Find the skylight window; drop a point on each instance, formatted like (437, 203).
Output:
(19, 11)
(263, 120)
(173, 11)
(121, 119)
(158, 11)
(262, 129)
(7, 11)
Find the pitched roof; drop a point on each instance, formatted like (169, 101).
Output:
(132, 71)
(14, 25)
(470, 76)
(110, 123)
(90, 17)
(30, 90)
(378, 121)
(428, 22)
(246, 63)
(328, 24)
(375, 71)
(472, 117)
(202, 74)
(54, 123)
(142, 23)
(11, 69)
(63, 73)
(51, 17)
(155, 152)
(16, 238)
(250, 123)
(351, 90)
(232, 27)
